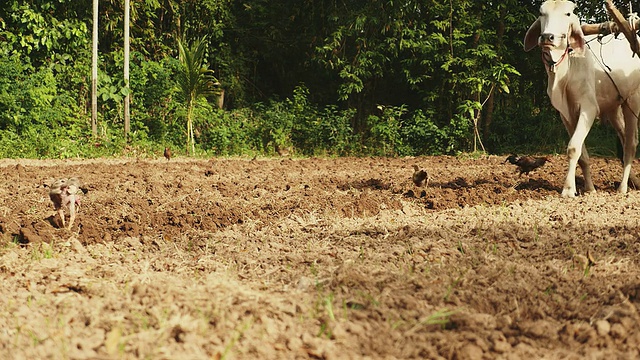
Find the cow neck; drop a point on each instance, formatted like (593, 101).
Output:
(551, 65)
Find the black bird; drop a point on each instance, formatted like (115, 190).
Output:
(420, 177)
(527, 164)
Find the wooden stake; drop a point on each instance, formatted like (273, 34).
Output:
(623, 26)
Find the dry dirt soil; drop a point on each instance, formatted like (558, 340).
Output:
(318, 258)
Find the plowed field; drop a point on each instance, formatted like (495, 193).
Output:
(318, 258)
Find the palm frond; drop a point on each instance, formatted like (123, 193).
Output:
(195, 79)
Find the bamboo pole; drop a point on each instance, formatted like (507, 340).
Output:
(94, 72)
(604, 28)
(127, 100)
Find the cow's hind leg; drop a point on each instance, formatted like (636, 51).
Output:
(629, 144)
(585, 166)
(634, 182)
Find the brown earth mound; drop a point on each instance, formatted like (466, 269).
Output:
(318, 258)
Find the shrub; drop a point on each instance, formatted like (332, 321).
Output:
(422, 136)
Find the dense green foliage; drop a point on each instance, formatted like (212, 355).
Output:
(387, 78)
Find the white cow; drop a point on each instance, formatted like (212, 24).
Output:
(588, 77)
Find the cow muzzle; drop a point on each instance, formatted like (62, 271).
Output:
(549, 40)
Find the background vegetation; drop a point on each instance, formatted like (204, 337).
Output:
(319, 77)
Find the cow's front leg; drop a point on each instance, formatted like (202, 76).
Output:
(575, 152)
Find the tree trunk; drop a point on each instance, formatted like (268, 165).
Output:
(221, 99)
(488, 111)
(127, 97)
(94, 72)
(193, 140)
(488, 115)
(191, 147)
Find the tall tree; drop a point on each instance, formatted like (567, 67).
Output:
(195, 80)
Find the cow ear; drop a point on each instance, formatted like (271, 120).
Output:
(532, 36)
(577, 40)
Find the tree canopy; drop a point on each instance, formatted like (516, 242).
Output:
(406, 77)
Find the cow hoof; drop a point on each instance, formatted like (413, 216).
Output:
(568, 193)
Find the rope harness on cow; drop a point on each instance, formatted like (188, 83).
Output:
(550, 64)
(607, 70)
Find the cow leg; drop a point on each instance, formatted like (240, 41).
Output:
(633, 179)
(584, 163)
(569, 189)
(629, 144)
(634, 182)
(618, 121)
(575, 151)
